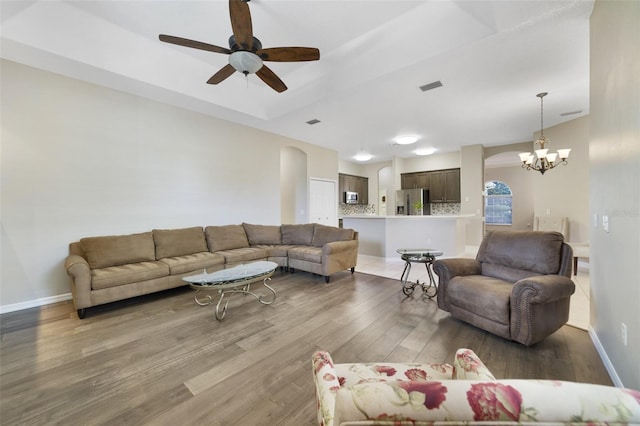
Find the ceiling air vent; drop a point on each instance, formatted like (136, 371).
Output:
(312, 122)
(430, 86)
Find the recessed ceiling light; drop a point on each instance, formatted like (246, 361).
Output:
(363, 156)
(406, 140)
(424, 151)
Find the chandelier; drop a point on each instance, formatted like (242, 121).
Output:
(543, 160)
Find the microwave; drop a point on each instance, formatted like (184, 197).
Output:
(351, 197)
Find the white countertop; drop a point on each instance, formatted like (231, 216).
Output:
(410, 217)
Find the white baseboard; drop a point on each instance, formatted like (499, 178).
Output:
(34, 303)
(605, 359)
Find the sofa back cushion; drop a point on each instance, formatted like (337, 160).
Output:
(323, 234)
(226, 237)
(297, 234)
(538, 252)
(102, 252)
(179, 242)
(262, 234)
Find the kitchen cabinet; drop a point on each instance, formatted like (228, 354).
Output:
(351, 183)
(415, 180)
(443, 185)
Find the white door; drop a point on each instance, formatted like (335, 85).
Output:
(323, 202)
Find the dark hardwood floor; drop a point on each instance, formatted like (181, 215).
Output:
(161, 359)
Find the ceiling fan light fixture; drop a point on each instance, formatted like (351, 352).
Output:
(245, 62)
(406, 140)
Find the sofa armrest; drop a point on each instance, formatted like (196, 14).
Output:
(543, 288)
(78, 269)
(336, 247)
(467, 366)
(446, 269)
(327, 385)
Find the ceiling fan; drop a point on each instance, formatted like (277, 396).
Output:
(246, 54)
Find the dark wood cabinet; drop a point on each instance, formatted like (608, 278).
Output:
(351, 183)
(415, 180)
(443, 185)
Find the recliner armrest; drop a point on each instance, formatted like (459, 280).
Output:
(446, 269)
(456, 267)
(543, 288)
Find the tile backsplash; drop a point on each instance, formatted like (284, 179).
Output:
(354, 209)
(445, 208)
(357, 209)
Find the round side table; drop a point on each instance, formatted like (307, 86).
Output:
(425, 256)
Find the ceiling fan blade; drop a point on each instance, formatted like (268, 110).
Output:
(271, 79)
(193, 44)
(241, 23)
(221, 75)
(289, 54)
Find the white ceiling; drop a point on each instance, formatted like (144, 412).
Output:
(492, 58)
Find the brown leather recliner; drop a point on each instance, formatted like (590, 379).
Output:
(518, 286)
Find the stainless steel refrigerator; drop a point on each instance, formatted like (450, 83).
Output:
(407, 198)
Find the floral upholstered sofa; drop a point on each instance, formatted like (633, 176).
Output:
(109, 268)
(466, 393)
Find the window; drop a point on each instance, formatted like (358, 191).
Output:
(497, 203)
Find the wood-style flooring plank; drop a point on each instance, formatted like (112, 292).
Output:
(162, 360)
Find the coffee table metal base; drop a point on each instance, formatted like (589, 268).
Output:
(231, 281)
(244, 288)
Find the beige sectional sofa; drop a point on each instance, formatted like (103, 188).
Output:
(109, 268)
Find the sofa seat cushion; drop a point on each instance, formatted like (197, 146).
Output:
(262, 234)
(227, 237)
(309, 254)
(301, 234)
(323, 234)
(485, 296)
(279, 250)
(352, 374)
(115, 250)
(126, 274)
(179, 242)
(194, 262)
(242, 255)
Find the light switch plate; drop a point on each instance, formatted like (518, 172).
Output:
(605, 223)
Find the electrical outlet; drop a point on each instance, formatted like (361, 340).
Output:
(623, 332)
(548, 212)
(605, 223)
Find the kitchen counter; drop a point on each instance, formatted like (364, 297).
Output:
(381, 236)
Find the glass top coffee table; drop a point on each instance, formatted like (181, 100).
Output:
(231, 281)
(426, 256)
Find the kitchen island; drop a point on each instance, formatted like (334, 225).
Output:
(381, 236)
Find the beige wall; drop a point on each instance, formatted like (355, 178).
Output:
(614, 151)
(564, 190)
(80, 160)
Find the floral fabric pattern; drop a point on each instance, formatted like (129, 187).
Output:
(421, 394)
(494, 401)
